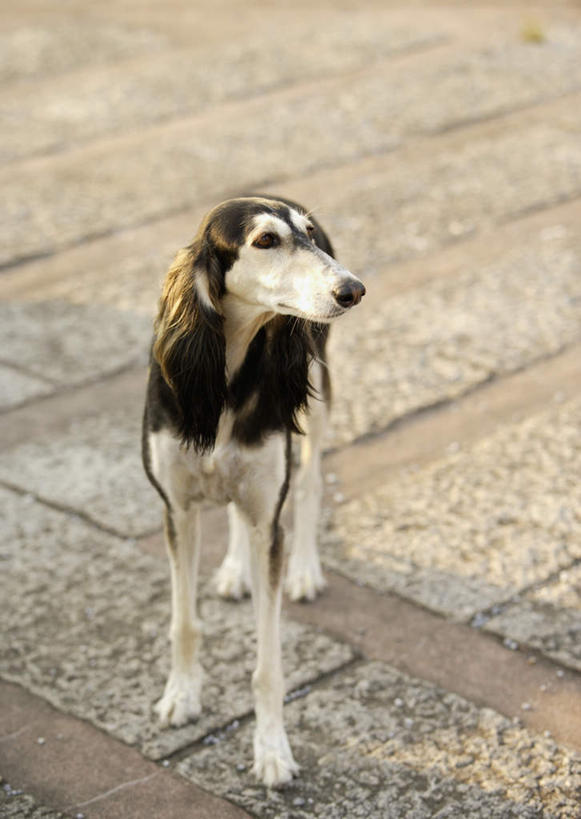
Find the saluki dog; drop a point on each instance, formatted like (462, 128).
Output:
(237, 365)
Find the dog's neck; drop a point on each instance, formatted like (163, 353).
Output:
(242, 321)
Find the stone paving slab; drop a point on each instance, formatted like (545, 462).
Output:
(177, 81)
(85, 619)
(62, 344)
(374, 742)
(130, 180)
(475, 528)
(437, 192)
(398, 354)
(17, 387)
(547, 618)
(93, 468)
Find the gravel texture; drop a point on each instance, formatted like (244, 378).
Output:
(374, 742)
(85, 618)
(14, 804)
(475, 528)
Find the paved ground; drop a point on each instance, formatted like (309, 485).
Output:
(440, 673)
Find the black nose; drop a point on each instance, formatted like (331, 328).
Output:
(349, 294)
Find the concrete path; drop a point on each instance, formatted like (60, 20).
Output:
(439, 675)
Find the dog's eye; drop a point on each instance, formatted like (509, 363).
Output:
(311, 232)
(266, 240)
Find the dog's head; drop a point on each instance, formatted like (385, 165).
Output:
(267, 254)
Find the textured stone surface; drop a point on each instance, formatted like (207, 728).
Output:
(14, 804)
(548, 618)
(70, 344)
(85, 616)
(17, 387)
(444, 190)
(101, 190)
(395, 355)
(35, 51)
(94, 467)
(468, 86)
(427, 201)
(475, 528)
(373, 742)
(176, 82)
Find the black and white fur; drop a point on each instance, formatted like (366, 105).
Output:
(238, 364)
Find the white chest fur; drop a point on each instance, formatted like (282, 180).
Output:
(231, 472)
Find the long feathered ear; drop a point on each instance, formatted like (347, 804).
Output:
(277, 359)
(190, 346)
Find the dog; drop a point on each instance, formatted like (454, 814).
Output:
(237, 366)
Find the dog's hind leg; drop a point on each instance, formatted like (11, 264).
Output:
(304, 575)
(181, 699)
(232, 579)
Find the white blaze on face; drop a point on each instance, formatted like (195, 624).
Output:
(290, 277)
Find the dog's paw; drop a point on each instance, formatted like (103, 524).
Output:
(231, 581)
(181, 700)
(304, 582)
(274, 765)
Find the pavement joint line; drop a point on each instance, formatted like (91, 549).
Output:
(28, 372)
(111, 791)
(498, 116)
(410, 141)
(538, 207)
(410, 50)
(62, 389)
(481, 618)
(75, 513)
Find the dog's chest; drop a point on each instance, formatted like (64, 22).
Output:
(214, 478)
(229, 473)
(211, 479)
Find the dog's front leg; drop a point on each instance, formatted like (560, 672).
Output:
(273, 760)
(181, 699)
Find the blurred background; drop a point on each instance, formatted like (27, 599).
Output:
(439, 145)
